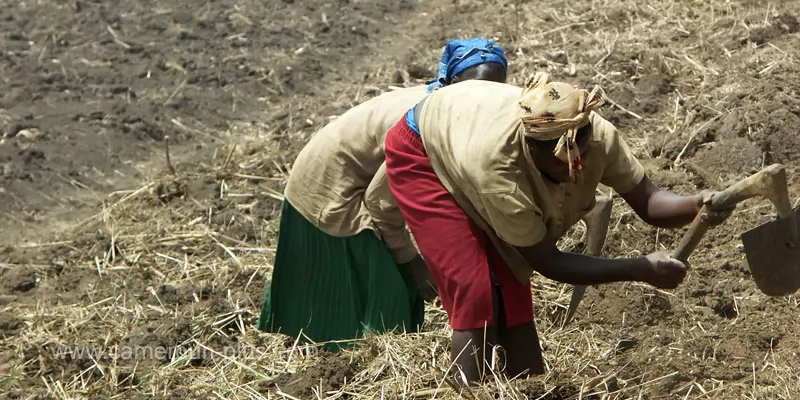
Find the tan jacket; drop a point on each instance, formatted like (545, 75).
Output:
(331, 182)
(471, 132)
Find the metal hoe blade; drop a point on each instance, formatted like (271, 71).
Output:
(597, 228)
(773, 255)
(577, 295)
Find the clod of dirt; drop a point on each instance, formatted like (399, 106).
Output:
(732, 126)
(725, 307)
(650, 91)
(205, 293)
(331, 373)
(535, 389)
(168, 189)
(14, 129)
(168, 294)
(766, 340)
(164, 334)
(657, 302)
(649, 309)
(624, 343)
(701, 291)
(785, 23)
(233, 222)
(141, 128)
(185, 393)
(20, 280)
(560, 57)
(178, 295)
(370, 91)
(219, 305)
(734, 268)
(711, 163)
(781, 142)
(280, 115)
(416, 71)
(789, 23)
(10, 325)
(398, 77)
(127, 379)
(32, 156)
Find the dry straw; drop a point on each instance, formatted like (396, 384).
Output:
(181, 274)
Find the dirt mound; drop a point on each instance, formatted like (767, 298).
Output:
(744, 120)
(328, 373)
(10, 325)
(19, 280)
(91, 88)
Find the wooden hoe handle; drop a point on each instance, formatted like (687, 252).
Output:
(769, 182)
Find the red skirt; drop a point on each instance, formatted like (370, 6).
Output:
(476, 287)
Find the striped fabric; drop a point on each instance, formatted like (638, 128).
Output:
(336, 289)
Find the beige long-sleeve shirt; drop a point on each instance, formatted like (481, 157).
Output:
(333, 182)
(471, 132)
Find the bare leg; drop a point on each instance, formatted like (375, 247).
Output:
(520, 354)
(523, 352)
(520, 343)
(468, 353)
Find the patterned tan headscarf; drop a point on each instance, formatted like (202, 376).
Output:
(556, 110)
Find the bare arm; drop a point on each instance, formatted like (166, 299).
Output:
(578, 269)
(662, 208)
(657, 269)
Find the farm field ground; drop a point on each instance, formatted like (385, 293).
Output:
(126, 276)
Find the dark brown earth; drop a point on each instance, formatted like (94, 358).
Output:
(331, 373)
(103, 245)
(92, 89)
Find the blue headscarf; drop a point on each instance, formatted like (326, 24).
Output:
(459, 55)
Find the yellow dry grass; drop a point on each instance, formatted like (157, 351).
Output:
(136, 246)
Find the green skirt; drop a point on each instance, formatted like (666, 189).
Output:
(327, 288)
